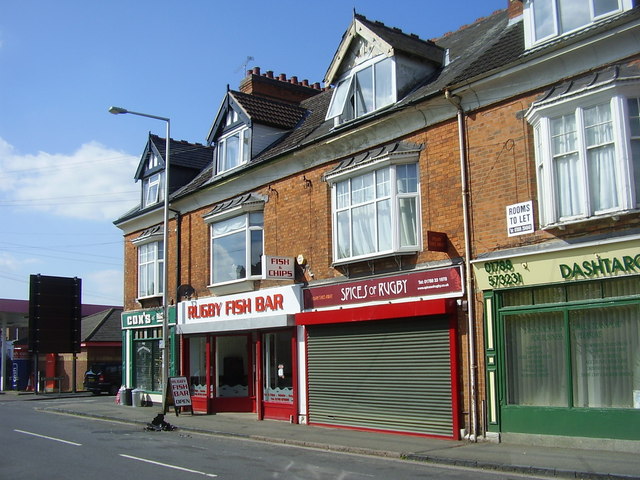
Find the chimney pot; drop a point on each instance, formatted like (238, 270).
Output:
(305, 82)
(269, 73)
(294, 80)
(256, 70)
(514, 8)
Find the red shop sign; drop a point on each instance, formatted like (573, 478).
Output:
(426, 283)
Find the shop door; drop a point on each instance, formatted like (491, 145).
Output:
(198, 360)
(233, 374)
(278, 375)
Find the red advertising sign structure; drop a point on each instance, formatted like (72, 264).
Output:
(426, 283)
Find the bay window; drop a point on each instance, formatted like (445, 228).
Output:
(236, 248)
(587, 153)
(547, 19)
(376, 213)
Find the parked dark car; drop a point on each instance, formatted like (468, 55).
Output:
(103, 377)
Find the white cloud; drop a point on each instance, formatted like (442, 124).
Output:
(10, 263)
(109, 284)
(93, 183)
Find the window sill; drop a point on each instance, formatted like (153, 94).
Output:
(368, 258)
(232, 287)
(613, 216)
(149, 297)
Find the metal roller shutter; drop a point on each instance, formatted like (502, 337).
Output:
(384, 375)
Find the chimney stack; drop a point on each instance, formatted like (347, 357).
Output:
(277, 88)
(514, 9)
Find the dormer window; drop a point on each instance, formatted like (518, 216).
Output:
(365, 89)
(234, 149)
(547, 19)
(153, 189)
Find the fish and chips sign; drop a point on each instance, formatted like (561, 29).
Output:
(278, 268)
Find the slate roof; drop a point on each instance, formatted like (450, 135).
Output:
(482, 48)
(246, 199)
(269, 112)
(406, 42)
(364, 158)
(184, 154)
(103, 326)
(616, 73)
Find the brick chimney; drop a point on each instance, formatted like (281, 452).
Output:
(277, 88)
(515, 8)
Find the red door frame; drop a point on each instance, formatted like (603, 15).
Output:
(424, 308)
(273, 410)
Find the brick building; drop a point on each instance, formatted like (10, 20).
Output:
(339, 258)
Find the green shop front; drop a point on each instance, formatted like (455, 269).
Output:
(562, 341)
(142, 345)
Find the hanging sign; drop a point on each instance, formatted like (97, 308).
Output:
(277, 268)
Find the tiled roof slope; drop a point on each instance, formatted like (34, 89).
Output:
(269, 112)
(184, 154)
(103, 326)
(484, 47)
(406, 42)
(505, 44)
(314, 108)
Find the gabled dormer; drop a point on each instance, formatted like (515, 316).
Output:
(375, 66)
(546, 20)
(185, 162)
(251, 120)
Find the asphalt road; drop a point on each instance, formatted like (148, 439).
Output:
(39, 445)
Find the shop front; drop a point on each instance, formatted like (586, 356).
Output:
(382, 353)
(239, 352)
(142, 350)
(563, 341)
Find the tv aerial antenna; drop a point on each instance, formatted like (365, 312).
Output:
(243, 67)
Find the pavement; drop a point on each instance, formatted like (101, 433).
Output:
(537, 460)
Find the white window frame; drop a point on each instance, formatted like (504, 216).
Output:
(248, 229)
(346, 90)
(153, 189)
(541, 117)
(394, 197)
(243, 156)
(155, 261)
(530, 22)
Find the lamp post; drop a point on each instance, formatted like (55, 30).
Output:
(165, 241)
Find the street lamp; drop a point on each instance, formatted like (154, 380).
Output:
(165, 241)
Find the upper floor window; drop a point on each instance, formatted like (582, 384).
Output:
(364, 89)
(234, 149)
(152, 162)
(587, 156)
(546, 19)
(236, 248)
(150, 269)
(153, 189)
(377, 213)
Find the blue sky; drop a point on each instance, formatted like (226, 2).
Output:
(67, 165)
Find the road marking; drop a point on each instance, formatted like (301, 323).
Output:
(48, 438)
(169, 466)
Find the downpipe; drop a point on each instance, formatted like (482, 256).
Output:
(472, 435)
